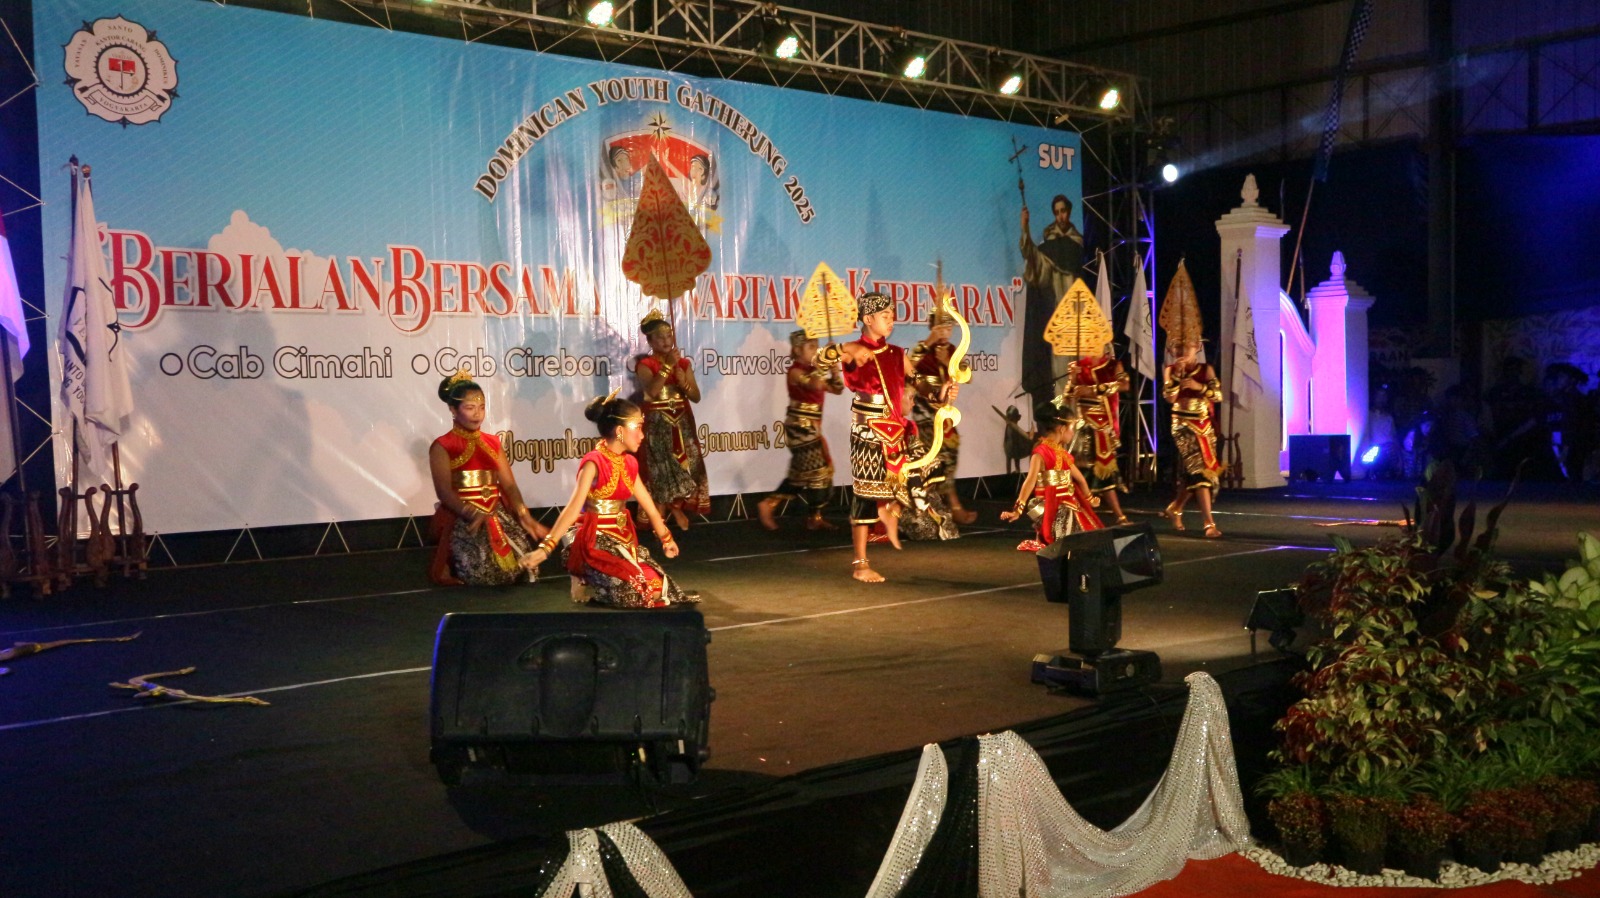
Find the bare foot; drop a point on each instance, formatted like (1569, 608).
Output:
(679, 518)
(764, 511)
(817, 522)
(891, 526)
(864, 572)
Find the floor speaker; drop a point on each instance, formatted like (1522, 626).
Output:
(1278, 612)
(582, 697)
(1319, 457)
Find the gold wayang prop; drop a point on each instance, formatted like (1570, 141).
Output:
(143, 688)
(959, 373)
(1078, 327)
(827, 309)
(665, 250)
(1180, 310)
(24, 649)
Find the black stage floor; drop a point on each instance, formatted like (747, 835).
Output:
(104, 794)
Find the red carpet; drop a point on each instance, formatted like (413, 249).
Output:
(1234, 875)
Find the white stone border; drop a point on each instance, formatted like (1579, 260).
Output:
(1558, 865)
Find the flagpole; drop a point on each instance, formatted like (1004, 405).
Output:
(77, 173)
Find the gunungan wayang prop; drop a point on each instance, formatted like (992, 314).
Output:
(1180, 310)
(665, 250)
(143, 688)
(24, 649)
(1078, 327)
(827, 309)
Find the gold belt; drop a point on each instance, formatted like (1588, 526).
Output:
(473, 478)
(608, 508)
(1191, 406)
(806, 409)
(1056, 477)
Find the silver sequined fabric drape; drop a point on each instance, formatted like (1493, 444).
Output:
(917, 823)
(1032, 843)
(650, 868)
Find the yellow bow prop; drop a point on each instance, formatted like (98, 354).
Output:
(959, 373)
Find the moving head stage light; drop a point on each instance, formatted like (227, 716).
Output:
(1089, 572)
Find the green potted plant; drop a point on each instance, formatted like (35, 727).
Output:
(1360, 826)
(1536, 818)
(1420, 831)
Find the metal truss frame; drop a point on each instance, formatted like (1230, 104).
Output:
(723, 38)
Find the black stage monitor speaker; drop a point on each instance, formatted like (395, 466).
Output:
(1090, 571)
(572, 697)
(1319, 457)
(1278, 612)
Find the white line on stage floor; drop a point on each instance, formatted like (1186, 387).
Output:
(726, 627)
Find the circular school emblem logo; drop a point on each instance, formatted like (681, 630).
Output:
(120, 72)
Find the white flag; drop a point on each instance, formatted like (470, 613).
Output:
(94, 375)
(1141, 335)
(1246, 372)
(14, 329)
(1102, 289)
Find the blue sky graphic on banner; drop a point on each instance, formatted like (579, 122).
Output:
(308, 224)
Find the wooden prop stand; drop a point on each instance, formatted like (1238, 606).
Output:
(34, 566)
(125, 549)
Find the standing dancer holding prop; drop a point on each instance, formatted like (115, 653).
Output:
(1193, 388)
(876, 371)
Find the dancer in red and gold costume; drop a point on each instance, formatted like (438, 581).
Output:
(876, 371)
(481, 521)
(605, 555)
(1061, 502)
(1097, 385)
(673, 462)
(810, 464)
(1193, 389)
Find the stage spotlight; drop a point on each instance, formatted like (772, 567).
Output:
(1005, 78)
(780, 39)
(1170, 173)
(1110, 98)
(1090, 571)
(1371, 455)
(599, 15)
(911, 61)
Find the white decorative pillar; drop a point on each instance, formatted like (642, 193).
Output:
(1250, 237)
(1339, 370)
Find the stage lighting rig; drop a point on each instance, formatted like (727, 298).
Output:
(599, 14)
(910, 60)
(1090, 572)
(1110, 98)
(1005, 77)
(779, 38)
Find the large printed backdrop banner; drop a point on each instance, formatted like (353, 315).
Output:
(308, 224)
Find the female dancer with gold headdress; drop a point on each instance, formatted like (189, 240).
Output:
(481, 522)
(1097, 385)
(605, 555)
(673, 464)
(1193, 389)
(1058, 490)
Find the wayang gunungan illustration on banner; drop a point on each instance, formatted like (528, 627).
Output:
(307, 224)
